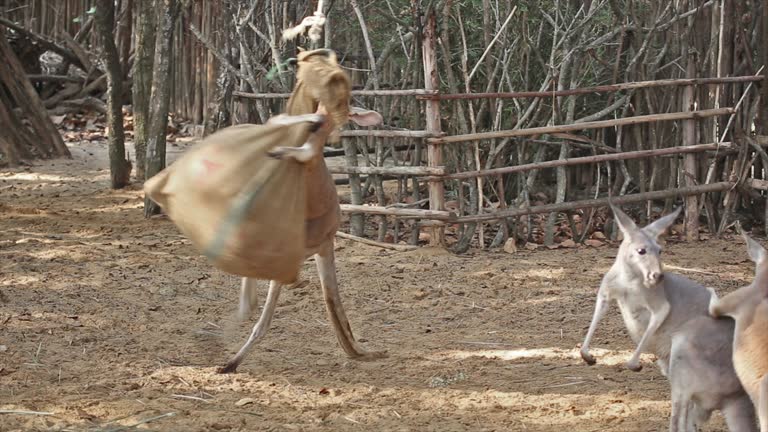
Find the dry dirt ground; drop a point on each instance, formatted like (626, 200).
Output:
(109, 321)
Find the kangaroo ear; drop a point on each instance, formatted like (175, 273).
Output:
(662, 224)
(626, 224)
(363, 117)
(756, 251)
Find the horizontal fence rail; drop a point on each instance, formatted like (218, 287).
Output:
(599, 202)
(383, 133)
(395, 170)
(597, 89)
(431, 94)
(639, 154)
(400, 212)
(581, 126)
(414, 92)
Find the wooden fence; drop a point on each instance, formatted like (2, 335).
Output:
(436, 174)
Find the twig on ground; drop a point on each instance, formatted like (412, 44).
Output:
(195, 398)
(23, 412)
(401, 248)
(142, 422)
(564, 385)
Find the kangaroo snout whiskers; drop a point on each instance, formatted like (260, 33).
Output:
(654, 277)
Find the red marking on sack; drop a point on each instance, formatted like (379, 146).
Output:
(210, 166)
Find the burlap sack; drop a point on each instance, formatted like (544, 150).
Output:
(244, 210)
(241, 208)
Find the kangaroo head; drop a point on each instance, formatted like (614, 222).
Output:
(640, 252)
(323, 87)
(359, 116)
(758, 254)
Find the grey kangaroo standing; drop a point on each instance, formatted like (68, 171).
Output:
(667, 314)
(748, 306)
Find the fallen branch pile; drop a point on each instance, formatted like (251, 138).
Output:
(27, 130)
(68, 79)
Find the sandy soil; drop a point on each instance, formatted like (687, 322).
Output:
(109, 321)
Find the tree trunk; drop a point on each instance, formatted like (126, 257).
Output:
(142, 80)
(8, 153)
(119, 168)
(167, 10)
(125, 28)
(225, 83)
(15, 140)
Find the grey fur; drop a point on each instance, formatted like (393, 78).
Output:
(667, 314)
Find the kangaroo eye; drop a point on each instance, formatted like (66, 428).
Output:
(641, 251)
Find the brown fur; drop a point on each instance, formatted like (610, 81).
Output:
(322, 88)
(748, 306)
(320, 81)
(750, 356)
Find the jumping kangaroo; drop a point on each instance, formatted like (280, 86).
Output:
(748, 306)
(666, 314)
(323, 213)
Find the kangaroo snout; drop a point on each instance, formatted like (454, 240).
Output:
(654, 276)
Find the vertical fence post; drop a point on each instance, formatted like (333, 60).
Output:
(432, 111)
(690, 161)
(762, 120)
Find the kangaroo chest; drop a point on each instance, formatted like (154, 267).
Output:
(634, 313)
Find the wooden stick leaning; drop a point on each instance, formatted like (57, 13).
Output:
(397, 247)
